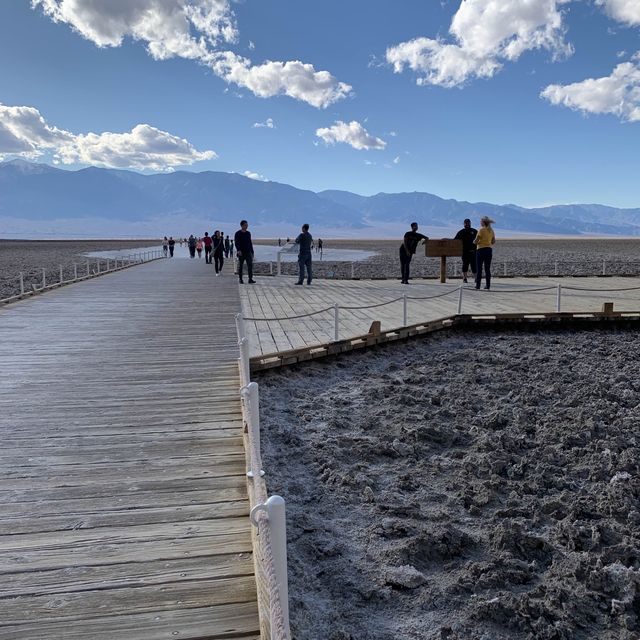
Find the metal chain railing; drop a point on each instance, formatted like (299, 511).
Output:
(459, 290)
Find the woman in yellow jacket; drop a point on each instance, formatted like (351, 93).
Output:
(484, 242)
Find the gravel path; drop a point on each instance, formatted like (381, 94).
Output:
(464, 487)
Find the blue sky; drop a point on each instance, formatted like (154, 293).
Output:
(534, 105)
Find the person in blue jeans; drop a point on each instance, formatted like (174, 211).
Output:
(304, 242)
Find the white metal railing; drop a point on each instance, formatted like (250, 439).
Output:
(335, 308)
(268, 514)
(338, 269)
(100, 266)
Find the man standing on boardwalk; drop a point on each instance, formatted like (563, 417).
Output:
(468, 234)
(227, 245)
(408, 248)
(304, 242)
(244, 250)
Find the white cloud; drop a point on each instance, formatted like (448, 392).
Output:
(352, 133)
(267, 124)
(183, 28)
(625, 11)
(254, 176)
(195, 30)
(396, 160)
(24, 132)
(294, 79)
(485, 33)
(617, 94)
(144, 147)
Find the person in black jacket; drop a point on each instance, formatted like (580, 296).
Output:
(218, 252)
(408, 248)
(468, 234)
(244, 250)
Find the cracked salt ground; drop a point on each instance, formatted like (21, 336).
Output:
(470, 487)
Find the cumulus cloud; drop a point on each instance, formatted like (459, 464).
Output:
(254, 176)
(24, 132)
(294, 79)
(183, 28)
(625, 11)
(352, 133)
(617, 94)
(485, 34)
(396, 160)
(267, 124)
(144, 147)
(196, 30)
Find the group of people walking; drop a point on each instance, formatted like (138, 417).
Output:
(477, 250)
(216, 247)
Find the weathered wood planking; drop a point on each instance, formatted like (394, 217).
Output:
(278, 297)
(122, 473)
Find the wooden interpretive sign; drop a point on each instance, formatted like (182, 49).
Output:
(443, 249)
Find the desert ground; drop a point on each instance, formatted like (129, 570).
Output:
(31, 256)
(466, 486)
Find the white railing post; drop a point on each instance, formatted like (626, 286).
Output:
(404, 310)
(240, 326)
(75, 271)
(276, 517)
(279, 265)
(107, 264)
(604, 267)
(245, 368)
(460, 289)
(44, 278)
(505, 269)
(252, 403)
(98, 267)
(353, 270)
(336, 330)
(61, 279)
(455, 269)
(558, 298)
(88, 269)
(21, 283)
(556, 268)
(270, 268)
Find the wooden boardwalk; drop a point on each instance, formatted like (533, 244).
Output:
(279, 297)
(122, 490)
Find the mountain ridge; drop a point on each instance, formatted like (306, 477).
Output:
(39, 192)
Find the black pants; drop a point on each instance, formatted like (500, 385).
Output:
(171, 250)
(249, 260)
(469, 260)
(218, 259)
(192, 252)
(405, 261)
(207, 255)
(304, 262)
(483, 258)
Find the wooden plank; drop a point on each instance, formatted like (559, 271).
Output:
(122, 475)
(238, 621)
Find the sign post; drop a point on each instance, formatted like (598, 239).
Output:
(443, 249)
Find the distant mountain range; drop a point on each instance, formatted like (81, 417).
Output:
(38, 194)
